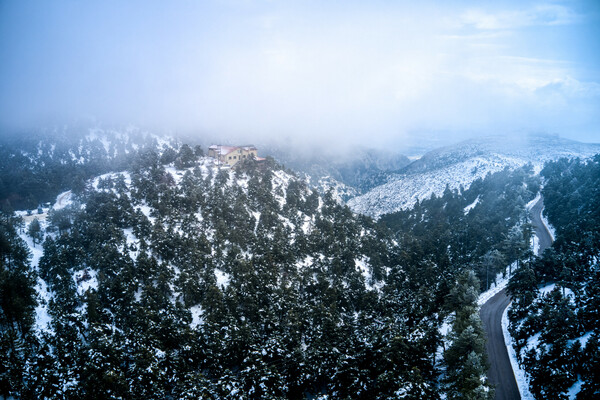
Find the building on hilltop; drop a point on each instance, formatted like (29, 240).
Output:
(231, 155)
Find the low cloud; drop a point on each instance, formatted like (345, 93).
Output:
(379, 74)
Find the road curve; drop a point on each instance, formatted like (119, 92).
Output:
(500, 372)
(541, 230)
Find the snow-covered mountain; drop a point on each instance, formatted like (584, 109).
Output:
(460, 164)
(36, 165)
(183, 273)
(177, 277)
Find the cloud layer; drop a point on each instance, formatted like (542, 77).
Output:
(379, 73)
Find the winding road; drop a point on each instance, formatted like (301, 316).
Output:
(500, 372)
(541, 230)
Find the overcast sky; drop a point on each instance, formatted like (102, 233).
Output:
(369, 72)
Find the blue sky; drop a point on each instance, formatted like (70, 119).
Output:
(378, 72)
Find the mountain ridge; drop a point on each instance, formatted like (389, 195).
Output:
(457, 166)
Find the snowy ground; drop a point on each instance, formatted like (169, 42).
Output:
(42, 318)
(402, 191)
(520, 376)
(63, 200)
(535, 244)
(550, 227)
(471, 206)
(501, 282)
(530, 205)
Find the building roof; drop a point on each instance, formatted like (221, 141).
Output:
(224, 150)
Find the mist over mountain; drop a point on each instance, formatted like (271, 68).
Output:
(359, 167)
(368, 227)
(258, 278)
(531, 148)
(457, 166)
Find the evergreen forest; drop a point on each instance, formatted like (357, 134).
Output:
(175, 279)
(555, 317)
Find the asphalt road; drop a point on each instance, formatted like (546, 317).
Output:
(500, 372)
(540, 229)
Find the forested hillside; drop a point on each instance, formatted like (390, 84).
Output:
(484, 228)
(177, 279)
(466, 238)
(555, 317)
(203, 282)
(36, 166)
(461, 164)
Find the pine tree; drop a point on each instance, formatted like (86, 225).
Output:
(466, 358)
(35, 231)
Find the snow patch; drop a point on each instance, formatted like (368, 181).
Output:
(566, 292)
(583, 339)
(307, 225)
(308, 261)
(85, 280)
(42, 318)
(362, 266)
(37, 250)
(64, 199)
(550, 287)
(146, 210)
(132, 242)
(533, 342)
(520, 376)
(533, 202)
(197, 316)
(495, 288)
(256, 216)
(551, 229)
(535, 244)
(573, 390)
(471, 206)
(175, 173)
(223, 278)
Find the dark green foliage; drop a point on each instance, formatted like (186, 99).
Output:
(570, 311)
(492, 235)
(590, 369)
(295, 318)
(34, 169)
(456, 254)
(466, 358)
(17, 303)
(245, 283)
(186, 157)
(35, 231)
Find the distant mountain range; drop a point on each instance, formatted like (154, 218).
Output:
(460, 164)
